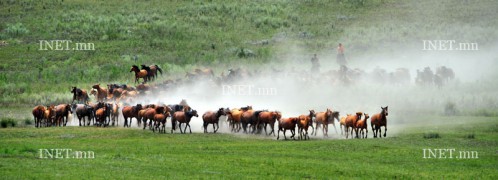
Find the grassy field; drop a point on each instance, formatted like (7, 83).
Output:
(134, 153)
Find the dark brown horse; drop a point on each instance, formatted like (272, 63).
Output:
(285, 124)
(131, 112)
(183, 117)
(61, 114)
(351, 123)
(362, 125)
(139, 73)
(322, 118)
(151, 71)
(82, 111)
(79, 95)
(268, 117)
(212, 117)
(101, 93)
(38, 115)
(379, 120)
(305, 121)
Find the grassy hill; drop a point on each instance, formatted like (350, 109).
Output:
(182, 35)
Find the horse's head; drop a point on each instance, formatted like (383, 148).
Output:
(96, 86)
(385, 111)
(328, 113)
(221, 112)
(359, 114)
(335, 114)
(134, 68)
(312, 113)
(193, 113)
(366, 116)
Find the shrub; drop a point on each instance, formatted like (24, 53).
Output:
(16, 30)
(431, 135)
(6, 122)
(450, 109)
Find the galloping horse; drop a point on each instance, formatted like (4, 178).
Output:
(379, 120)
(322, 118)
(101, 92)
(362, 124)
(139, 73)
(335, 115)
(160, 119)
(79, 95)
(115, 114)
(152, 71)
(183, 117)
(212, 117)
(131, 112)
(285, 124)
(38, 115)
(351, 123)
(342, 123)
(268, 117)
(82, 111)
(233, 119)
(305, 121)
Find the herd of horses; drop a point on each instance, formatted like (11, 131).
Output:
(246, 119)
(115, 100)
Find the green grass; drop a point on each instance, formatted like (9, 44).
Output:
(134, 153)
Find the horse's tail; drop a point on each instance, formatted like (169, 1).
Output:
(159, 69)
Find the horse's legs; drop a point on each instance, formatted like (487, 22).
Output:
(278, 134)
(335, 129)
(316, 128)
(385, 130)
(189, 128)
(217, 127)
(284, 134)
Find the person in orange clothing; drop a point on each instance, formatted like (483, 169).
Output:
(341, 60)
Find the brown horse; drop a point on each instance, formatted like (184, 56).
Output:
(212, 117)
(379, 120)
(183, 117)
(285, 124)
(322, 118)
(131, 112)
(115, 114)
(82, 111)
(61, 114)
(49, 115)
(100, 116)
(342, 123)
(149, 114)
(335, 115)
(101, 93)
(233, 119)
(38, 115)
(160, 119)
(141, 117)
(268, 117)
(79, 95)
(152, 71)
(139, 73)
(305, 121)
(362, 125)
(351, 123)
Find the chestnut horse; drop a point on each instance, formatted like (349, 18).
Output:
(362, 125)
(101, 92)
(115, 114)
(351, 123)
(379, 120)
(49, 115)
(139, 73)
(160, 119)
(285, 124)
(342, 123)
(212, 117)
(304, 123)
(322, 118)
(151, 71)
(183, 117)
(61, 114)
(233, 118)
(131, 112)
(38, 115)
(79, 95)
(100, 116)
(268, 117)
